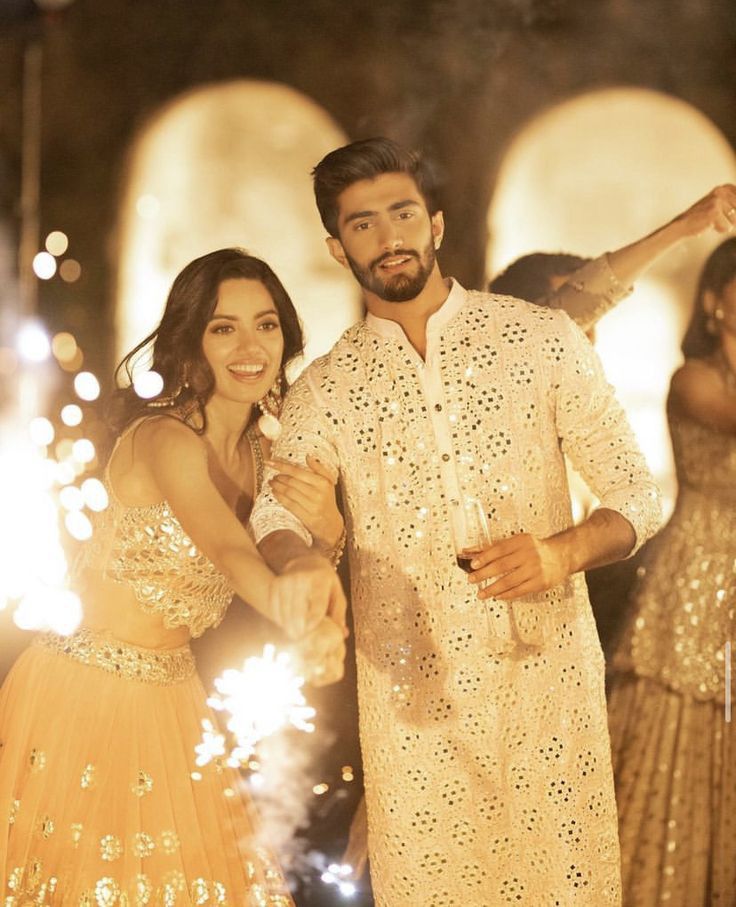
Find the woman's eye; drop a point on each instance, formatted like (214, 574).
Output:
(269, 325)
(222, 329)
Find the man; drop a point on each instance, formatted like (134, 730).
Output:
(488, 776)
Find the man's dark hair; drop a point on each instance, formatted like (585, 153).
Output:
(529, 276)
(366, 160)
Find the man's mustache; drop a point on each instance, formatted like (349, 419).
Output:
(386, 255)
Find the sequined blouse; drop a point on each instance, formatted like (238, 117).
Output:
(146, 548)
(684, 606)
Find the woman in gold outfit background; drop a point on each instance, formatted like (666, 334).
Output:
(101, 802)
(673, 741)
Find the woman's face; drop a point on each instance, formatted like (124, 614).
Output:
(243, 341)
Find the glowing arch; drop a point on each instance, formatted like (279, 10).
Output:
(595, 173)
(229, 165)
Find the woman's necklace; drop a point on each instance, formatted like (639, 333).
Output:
(257, 455)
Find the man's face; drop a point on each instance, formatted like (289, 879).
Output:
(386, 236)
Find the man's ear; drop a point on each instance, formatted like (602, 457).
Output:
(334, 246)
(438, 228)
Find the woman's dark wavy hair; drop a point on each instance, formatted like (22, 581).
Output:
(529, 276)
(175, 345)
(719, 270)
(366, 160)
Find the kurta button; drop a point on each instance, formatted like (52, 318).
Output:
(446, 458)
(438, 407)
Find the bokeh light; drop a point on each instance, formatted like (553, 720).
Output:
(71, 414)
(44, 265)
(70, 270)
(32, 342)
(57, 242)
(87, 386)
(64, 347)
(41, 431)
(148, 384)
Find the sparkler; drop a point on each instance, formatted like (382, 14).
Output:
(261, 698)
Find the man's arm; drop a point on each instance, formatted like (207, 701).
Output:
(595, 434)
(598, 286)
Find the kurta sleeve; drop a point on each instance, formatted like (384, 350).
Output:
(306, 429)
(589, 293)
(596, 436)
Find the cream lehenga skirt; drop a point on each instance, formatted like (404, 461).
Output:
(101, 802)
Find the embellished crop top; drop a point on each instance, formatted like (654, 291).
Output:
(147, 548)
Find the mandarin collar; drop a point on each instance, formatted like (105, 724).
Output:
(456, 298)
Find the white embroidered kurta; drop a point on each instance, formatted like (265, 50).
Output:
(488, 779)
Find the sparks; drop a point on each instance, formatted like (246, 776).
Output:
(261, 698)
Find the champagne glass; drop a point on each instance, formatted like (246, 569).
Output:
(471, 535)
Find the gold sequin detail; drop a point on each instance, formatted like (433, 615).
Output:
(88, 779)
(76, 830)
(143, 784)
(111, 848)
(45, 827)
(143, 890)
(37, 760)
(146, 548)
(101, 650)
(143, 844)
(107, 892)
(14, 809)
(168, 841)
(683, 610)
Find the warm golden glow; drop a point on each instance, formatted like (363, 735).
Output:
(229, 166)
(589, 176)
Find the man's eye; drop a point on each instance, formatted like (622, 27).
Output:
(363, 225)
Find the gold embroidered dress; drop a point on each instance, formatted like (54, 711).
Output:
(674, 751)
(101, 802)
(488, 778)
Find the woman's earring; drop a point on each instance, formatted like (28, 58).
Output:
(270, 407)
(169, 399)
(711, 323)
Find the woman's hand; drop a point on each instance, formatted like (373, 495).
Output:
(307, 591)
(320, 655)
(309, 493)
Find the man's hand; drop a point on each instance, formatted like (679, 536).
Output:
(519, 566)
(320, 655)
(309, 493)
(307, 591)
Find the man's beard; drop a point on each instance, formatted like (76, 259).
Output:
(397, 287)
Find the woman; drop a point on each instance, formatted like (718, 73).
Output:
(100, 796)
(673, 745)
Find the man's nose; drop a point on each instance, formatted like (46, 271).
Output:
(391, 238)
